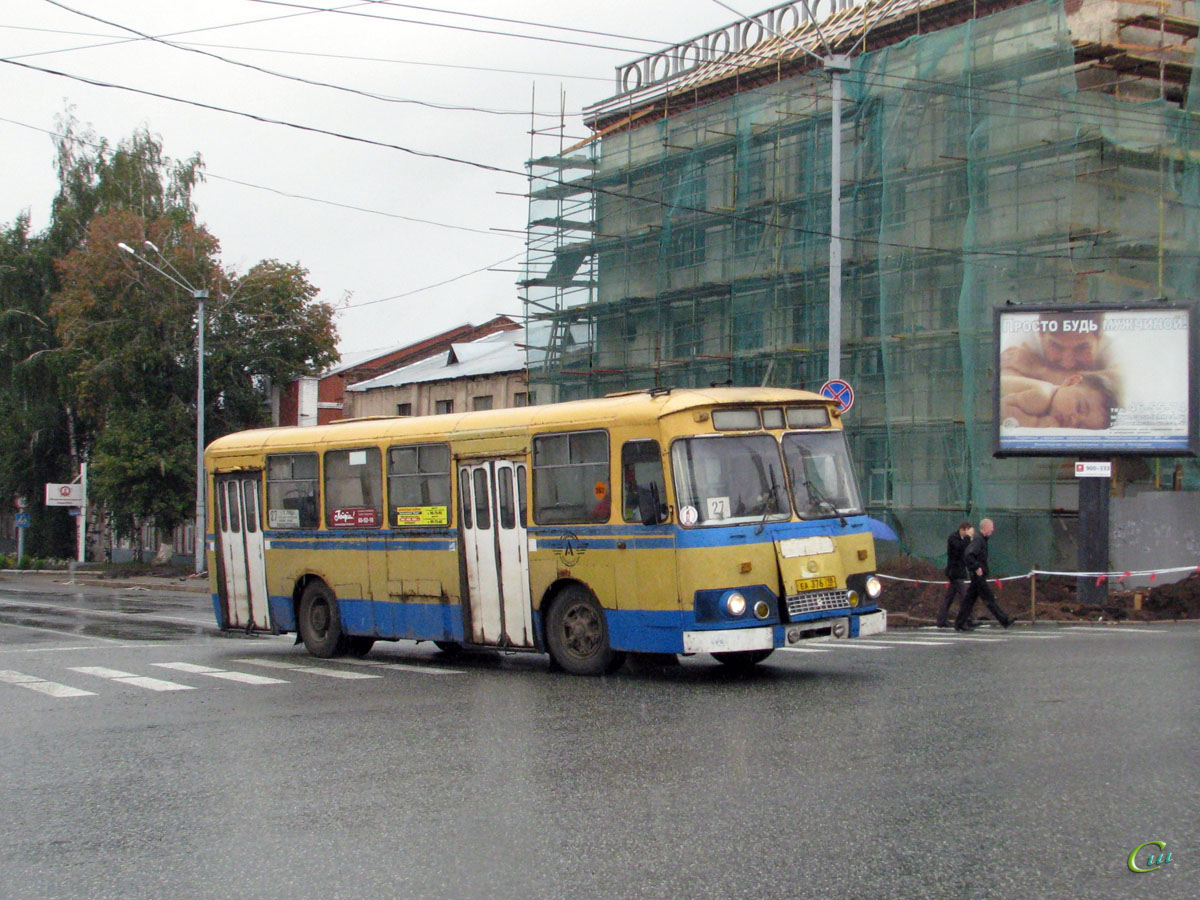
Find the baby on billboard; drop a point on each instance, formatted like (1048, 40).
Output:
(1101, 377)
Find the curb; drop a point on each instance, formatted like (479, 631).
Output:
(91, 579)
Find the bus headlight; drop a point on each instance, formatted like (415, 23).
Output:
(874, 587)
(735, 604)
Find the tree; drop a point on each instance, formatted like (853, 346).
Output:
(130, 336)
(267, 331)
(98, 351)
(35, 437)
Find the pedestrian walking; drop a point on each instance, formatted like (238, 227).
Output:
(976, 559)
(956, 570)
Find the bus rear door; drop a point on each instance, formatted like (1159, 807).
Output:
(496, 552)
(243, 580)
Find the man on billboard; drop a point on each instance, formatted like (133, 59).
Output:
(1061, 345)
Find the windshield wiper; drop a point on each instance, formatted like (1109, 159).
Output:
(822, 499)
(770, 504)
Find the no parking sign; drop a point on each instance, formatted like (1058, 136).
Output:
(836, 389)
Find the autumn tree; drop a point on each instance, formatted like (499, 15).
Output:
(107, 346)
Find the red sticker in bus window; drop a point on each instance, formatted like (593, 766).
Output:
(354, 517)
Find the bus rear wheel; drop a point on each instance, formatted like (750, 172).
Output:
(320, 626)
(742, 660)
(577, 634)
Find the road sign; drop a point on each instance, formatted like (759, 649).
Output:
(22, 519)
(1093, 470)
(836, 389)
(64, 495)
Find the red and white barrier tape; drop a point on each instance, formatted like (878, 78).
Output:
(1099, 576)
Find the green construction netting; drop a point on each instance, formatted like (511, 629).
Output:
(979, 168)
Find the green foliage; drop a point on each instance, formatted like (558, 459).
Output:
(135, 176)
(268, 330)
(143, 466)
(98, 350)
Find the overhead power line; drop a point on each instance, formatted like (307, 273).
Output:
(297, 78)
(397, 19)
(425, 154)
(291, 195)
(430, 287)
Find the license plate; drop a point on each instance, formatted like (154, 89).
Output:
(824, 583)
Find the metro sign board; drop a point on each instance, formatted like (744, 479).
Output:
(64, 495)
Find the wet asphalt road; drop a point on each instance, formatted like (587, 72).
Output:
(1025, 764)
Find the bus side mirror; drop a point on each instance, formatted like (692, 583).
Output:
(650, 508)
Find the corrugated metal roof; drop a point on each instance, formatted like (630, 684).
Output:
(490, 355)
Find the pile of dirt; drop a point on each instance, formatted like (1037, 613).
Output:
(914, 589)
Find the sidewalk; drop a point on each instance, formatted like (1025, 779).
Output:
(189, 584)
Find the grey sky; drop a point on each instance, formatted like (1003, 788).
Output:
(356, 258)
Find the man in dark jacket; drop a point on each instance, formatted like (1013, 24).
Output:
(976, 559)
(956, 570)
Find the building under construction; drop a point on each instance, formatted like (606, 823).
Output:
(990, 152)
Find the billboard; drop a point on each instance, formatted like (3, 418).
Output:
(1099, 380)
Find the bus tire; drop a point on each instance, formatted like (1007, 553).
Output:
(319, 625)
(577, 634)
(742, 660)
(358, 645)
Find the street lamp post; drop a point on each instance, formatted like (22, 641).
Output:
(199, 295)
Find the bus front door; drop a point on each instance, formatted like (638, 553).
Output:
(243, 574)
(496, 551)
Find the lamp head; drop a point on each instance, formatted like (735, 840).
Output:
(152, 247)
(127, 249)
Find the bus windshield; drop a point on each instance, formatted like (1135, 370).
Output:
(819, 470)
(729, 480)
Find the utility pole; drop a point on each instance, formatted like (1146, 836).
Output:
(199, 295)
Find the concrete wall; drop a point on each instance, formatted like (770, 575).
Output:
(1155, 530)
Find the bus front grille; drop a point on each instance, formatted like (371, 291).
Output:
(816, 601)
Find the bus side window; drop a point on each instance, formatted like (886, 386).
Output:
(292, 491)
(464, 498)
(570, 478)
(353, 485)
(522, 478)
(483, 519)
(234, 523)
(643, 488)
(250, 494)
(506, 511)
(419, 484)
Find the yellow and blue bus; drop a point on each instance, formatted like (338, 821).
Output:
(724, 521)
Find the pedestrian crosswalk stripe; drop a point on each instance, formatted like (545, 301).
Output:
(33, 683)
(853, 645)
(150, 684)
(404, 667)
(299, 667)
(243, 677)
(898, 641)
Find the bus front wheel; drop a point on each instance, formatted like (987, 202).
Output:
(742, 660)
(577, 634)
(320, 626)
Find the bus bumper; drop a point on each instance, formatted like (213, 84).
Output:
(793, 635)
